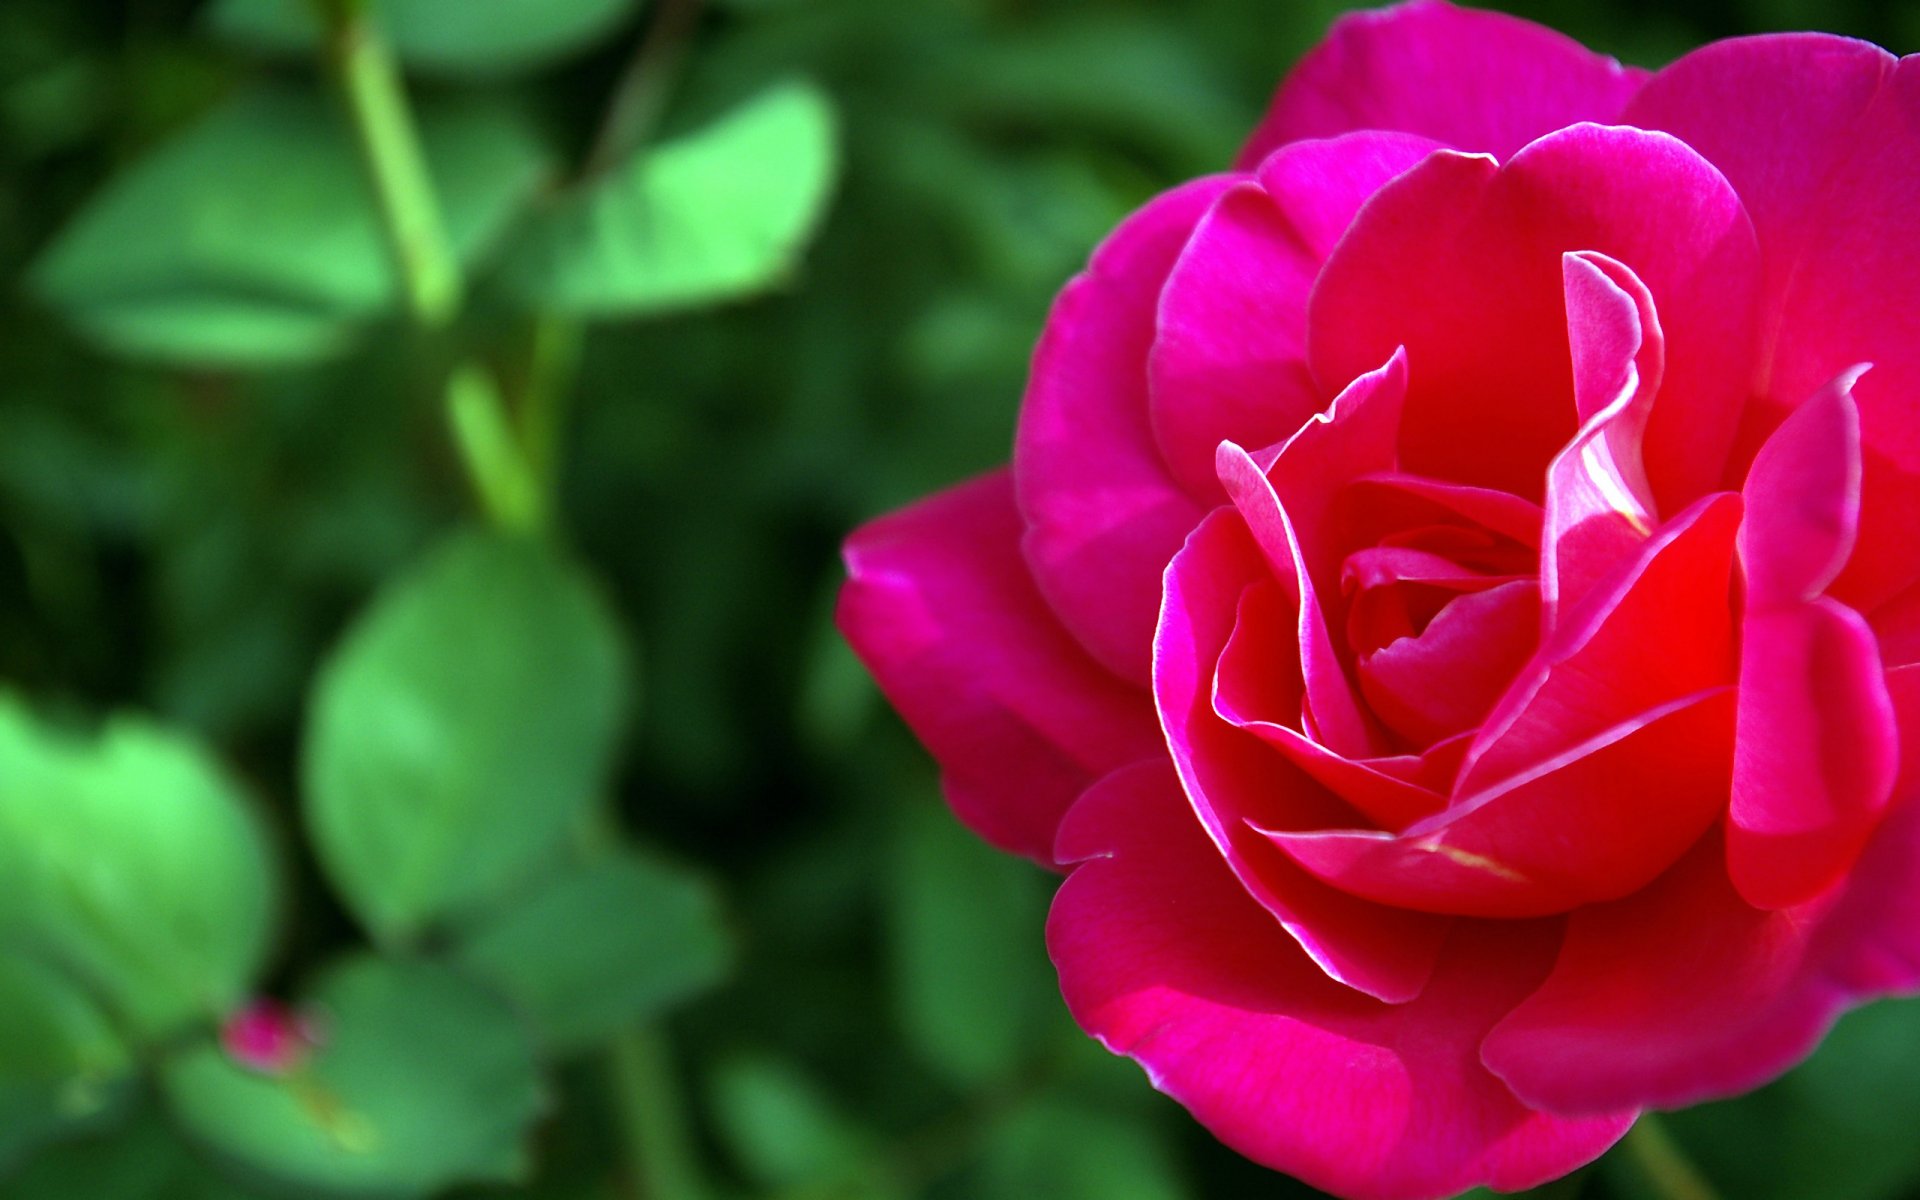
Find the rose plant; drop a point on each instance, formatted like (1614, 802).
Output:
(1452, 611)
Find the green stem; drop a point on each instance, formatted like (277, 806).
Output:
(653, 1124)
(376, 99)
(554, 360)
(1663, 1163)
(641, 93)
(510, 488)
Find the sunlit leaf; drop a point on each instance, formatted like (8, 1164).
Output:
(130, 861)
(251, 239)
(421, 1079)
(459, 729)
(718, 213)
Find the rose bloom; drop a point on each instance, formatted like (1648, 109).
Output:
(1453, 611)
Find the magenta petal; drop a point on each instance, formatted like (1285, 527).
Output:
(1443, 680)
(940, 608)
(1600, 507)
(1163, 958)
(1596, 823)
(1103, 513)
(1231, 777)
(1816, 752)
(1460, 261)
(1477, 80)
(1660, 628)
(1803, 499)
(1229, 360)
(1818, 135)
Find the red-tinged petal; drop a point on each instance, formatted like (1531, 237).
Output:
(1393, 501)
(1459, 261)
(1816, 753)
(941, 609)
(1229, 359)
(1659, 628)
(1594, 824)
(1163, 958)
(1896, 624)
(1803, 499)
(1231, 777)
(1817, 134)
(1599, 506)
(1480, 81)
(1103, 513)
(1684, 992)
(1443, 680)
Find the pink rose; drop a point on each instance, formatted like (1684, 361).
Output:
(1454, 607)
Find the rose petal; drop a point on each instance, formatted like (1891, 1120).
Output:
(1477, 80)
(1803, 499)
(1660, 628)
(1444, 680)
(1459, 260)
(1684, 992)
(1103, 514)
(940, 608)
(1817, 134)
(1596, 823)
(1816, 752)
(1164, 958)
(1229, 358)
(1600, 507)
(1231, 777)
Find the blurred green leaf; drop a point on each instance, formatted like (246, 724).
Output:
(459, 729)
(1067, 1152)
(251, 240)
(468, 37)
(784, 1132)
(422, 1079)
(142, 1160)
(974, 992)
(601, 947)
(719, 213)
(1779, 1143)
(61, 1063)
(131, 861)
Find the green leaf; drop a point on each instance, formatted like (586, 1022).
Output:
(422, 1079)
(465, 37)
(131, 861)
(785, 1132)
(464, 722)
(717, 214)
(61, 1064)
(601, 947)
(251, 239)
(973, 990)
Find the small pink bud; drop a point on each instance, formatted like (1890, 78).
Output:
(269, 1037)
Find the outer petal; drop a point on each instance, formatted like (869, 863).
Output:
(1103, 514)
(940, 608)
(1818, 135)
(1460, 262)
(1229, 361)
(1481, 81)
(1685, 993)
(1164, 959)
(1232, 778)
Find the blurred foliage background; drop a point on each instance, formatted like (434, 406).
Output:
(671, 907)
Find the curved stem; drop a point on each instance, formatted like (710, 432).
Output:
(652, 1122)
(1663, 1163)
(642, 90)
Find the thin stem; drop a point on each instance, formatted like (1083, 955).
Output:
(383, 123)
(652, 1122)
(1663, 1163)
(641, 92)
(553, 361)
(509, 487)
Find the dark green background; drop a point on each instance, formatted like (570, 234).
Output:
(190, 543)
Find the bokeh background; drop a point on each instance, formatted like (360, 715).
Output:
(190, 521)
